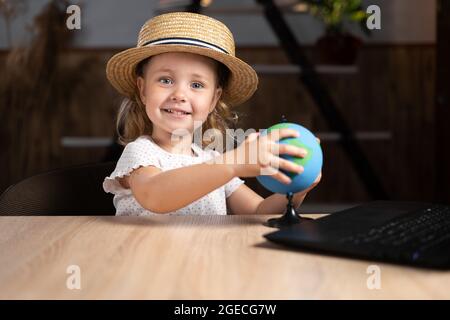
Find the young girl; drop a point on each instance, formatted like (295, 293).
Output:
(183, 77)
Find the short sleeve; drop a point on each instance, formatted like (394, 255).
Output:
(139, 153)
(232, 185)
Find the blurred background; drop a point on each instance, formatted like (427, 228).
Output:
(378, 99)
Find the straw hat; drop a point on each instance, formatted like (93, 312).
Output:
(184, 32)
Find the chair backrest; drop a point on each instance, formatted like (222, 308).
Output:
(75, 190)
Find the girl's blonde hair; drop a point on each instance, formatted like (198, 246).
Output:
(133, 122)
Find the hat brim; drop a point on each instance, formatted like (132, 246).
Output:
(242, 83)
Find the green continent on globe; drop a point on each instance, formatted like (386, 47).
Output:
(300, 161)
(296, 142)
(279, 126)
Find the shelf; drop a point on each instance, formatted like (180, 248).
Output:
(86, 142)
(359, 135)
(102, 142)
(284, 6)
(292, 69)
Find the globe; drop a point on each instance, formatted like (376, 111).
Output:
(312, 163)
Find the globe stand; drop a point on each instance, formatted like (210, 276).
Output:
(289, 218)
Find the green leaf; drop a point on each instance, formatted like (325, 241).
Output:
(358, 16)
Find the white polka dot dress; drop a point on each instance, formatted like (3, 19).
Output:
(145, 152)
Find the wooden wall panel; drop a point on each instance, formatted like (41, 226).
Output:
(442, 150)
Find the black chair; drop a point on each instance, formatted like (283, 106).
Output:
(75, 190)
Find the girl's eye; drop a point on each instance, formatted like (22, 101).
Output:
(165, 80)
(197, 85)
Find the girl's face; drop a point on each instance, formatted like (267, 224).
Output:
(178, 89)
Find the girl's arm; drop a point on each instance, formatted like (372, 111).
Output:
(167, 191)
(245, 201)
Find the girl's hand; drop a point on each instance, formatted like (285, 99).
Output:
(300, 196)
(260, 155)
(303, 193)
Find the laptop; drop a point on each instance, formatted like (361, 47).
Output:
(409, 233)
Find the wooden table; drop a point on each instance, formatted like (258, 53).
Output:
(176, 257)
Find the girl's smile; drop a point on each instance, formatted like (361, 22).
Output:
(177, 113)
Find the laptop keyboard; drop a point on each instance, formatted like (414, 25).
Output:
(412, 234)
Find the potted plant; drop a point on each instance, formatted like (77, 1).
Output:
(337, 45)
